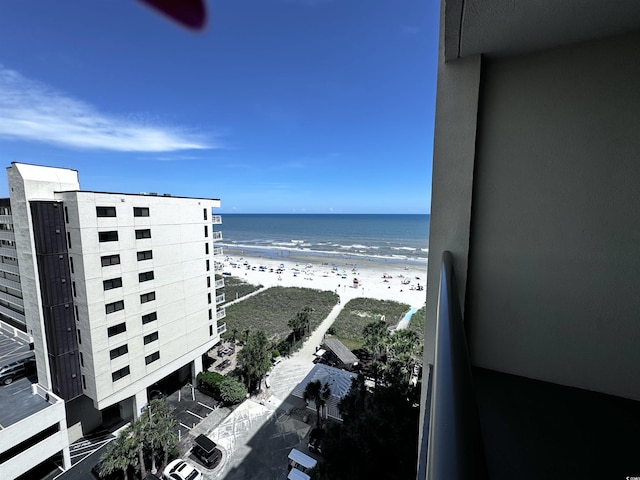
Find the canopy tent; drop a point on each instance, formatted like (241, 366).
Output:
(296, 474)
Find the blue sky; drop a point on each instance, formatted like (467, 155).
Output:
(278, 106)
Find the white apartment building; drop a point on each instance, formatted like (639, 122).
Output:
(119, 290)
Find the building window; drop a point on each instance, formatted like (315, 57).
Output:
(151, 358)
(211, 330)
(208, 266)
(68, 239)
(75, 307)
(145, 276)
(71, 264)
(117, 329)
(113, 283)
(146, 255)
(152, 337)
(79, 337)
(204, 211)
(110, 260)
(73, 285)
(149, 317)
(210, 314)
(84, 383)
(209, 297)
(111, 236)
(66, 215)
(206, 231)
(140, 212)
(114, 307)
(146, 233)
(118, 374)
(106, 211)
(81, 360)
(118, 352)
(206, 248)
(147, 297)
(208, 282)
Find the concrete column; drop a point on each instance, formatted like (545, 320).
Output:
(139, 402)
(196, 368)
(66, 458)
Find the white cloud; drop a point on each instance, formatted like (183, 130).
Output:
(32, 111)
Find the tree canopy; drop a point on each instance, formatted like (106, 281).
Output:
(255, 358)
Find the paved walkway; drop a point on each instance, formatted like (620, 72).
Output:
(257, 436)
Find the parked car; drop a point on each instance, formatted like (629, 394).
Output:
(181, 470)
(205, 450)
(20, 368)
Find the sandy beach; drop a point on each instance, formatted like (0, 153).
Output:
(348, 277)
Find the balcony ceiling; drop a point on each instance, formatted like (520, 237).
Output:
(507, 27)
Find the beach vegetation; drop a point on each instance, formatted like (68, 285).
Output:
(417, 322)
(299, 323)
(235, 288)
(271, 310)
(359, 312)
(256, 359)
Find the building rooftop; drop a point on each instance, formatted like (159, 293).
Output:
(17, 401)
(345, 355)
(339, 382)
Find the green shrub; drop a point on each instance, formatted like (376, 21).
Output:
(275, 353)
(210, 381)
(232, 391)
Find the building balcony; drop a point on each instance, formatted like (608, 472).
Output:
(6, 267)
(219, 299)
(217, 251)
(481, 423)
(216, 236)
(218, 266)
(219, 283)
(220, 313)
(8, 252)
(222, 328)
(7, 235)
(6, 219)
(216, 219)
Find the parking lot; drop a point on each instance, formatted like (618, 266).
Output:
(191, 407)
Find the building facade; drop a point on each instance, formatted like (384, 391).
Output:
(535, 194)
(118, 290)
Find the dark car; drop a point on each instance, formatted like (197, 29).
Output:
(205, 450)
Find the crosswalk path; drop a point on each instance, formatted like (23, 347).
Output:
(84, 447)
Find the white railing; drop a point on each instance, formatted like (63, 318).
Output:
(7, 267)
(219, 299)
(9, 252)
(7, 235)
(219, 283)
(217, 251)
(216, 219)
(222, 328)
(220, 314)
(218, 266)
(216, 236)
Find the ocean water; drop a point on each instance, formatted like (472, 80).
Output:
(388, 237)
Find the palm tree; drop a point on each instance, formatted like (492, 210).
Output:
(118, 456)
(318, 394)
(138, 437)
(375, 335)
(162, 429)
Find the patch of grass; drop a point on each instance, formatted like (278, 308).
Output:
(361, 311)
(236, 287)
(417, 322)
(271, 310)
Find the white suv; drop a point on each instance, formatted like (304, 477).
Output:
(181, 470)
